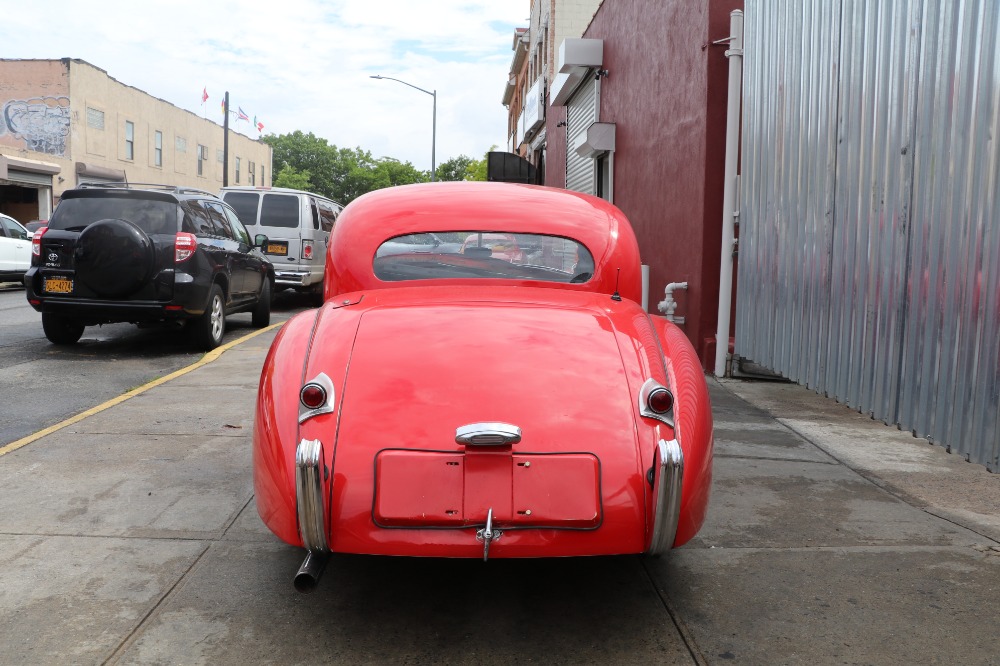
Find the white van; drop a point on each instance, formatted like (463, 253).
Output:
(297, 225)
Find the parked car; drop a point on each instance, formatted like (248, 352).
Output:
(15, 249)
(297, 225)
(34, 226)
(146, 254)
(427, 243)
(454, 405)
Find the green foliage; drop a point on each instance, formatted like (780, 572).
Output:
(307, 162)
(290, 177)
(477, 169)
(454, 169)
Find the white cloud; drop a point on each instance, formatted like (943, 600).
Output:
(304, 64)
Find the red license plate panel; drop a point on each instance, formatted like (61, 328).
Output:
(557, 490)
(419, 488)
(439, 489)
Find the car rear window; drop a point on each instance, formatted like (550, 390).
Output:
(153, 216)
(279, 210)
(483, 254)
(245, 204)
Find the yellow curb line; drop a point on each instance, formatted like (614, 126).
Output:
(204, 360)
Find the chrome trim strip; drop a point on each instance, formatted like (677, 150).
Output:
(323, 380)
(309, 472)
(668, 479)
(488, 433)
(648, 387)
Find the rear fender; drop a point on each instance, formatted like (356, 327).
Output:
(276, 427)
(692, 425)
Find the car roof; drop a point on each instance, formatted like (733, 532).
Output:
(172, 193)
(514, 208)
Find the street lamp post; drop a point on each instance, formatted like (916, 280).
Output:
(433, 119)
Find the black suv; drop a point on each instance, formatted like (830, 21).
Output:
(144, 254)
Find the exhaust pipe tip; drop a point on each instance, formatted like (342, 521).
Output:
(309, 573)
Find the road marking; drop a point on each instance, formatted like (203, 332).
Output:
(204, 360)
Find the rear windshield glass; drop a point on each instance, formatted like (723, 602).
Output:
(483, 254)
(245, 204)
(151, 215)
(278, 210)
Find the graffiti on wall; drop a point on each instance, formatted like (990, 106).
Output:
(40, 123)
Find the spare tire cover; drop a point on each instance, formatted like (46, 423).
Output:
(114, 258)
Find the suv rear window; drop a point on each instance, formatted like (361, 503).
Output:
(153, 216)
(278, 210)
(245, 204)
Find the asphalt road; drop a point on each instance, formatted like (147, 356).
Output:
(42, 384)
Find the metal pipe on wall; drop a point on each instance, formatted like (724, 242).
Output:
(729, 211)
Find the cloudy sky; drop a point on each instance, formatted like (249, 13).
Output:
(302, 64)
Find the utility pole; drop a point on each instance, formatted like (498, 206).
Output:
(225, 141)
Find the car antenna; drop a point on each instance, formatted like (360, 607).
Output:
(616, 296)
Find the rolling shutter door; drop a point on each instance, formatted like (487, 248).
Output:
(581, 113)
(29, 178)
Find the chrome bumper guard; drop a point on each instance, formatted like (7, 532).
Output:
(668, 477)
(309, 471)
(309, 495)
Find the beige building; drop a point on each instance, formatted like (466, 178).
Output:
(64, 122)
(533, 71)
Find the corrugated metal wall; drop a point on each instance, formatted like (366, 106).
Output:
(869, 259)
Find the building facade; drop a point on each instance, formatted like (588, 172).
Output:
(65, 122)
(533, 70)
(635, 112)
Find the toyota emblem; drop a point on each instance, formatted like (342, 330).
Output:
(53, 257)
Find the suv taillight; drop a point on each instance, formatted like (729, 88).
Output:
(307, 249)
(36, 242)
(184, 246)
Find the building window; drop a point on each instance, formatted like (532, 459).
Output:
(237, 170)
(251, 174)
(180, 144)
(220, 156)
(158, 148)
(129, 140)
(95, 118)
(202, 158)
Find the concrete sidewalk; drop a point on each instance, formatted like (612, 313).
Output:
(132, 537)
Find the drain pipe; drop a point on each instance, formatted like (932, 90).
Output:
(729, 205)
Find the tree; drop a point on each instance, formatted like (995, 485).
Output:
(477, 169)
(306, 162)
(454, 169)
(292, 178)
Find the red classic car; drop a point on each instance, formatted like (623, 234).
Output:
(460, 405)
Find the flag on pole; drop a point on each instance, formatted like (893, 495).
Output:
(222, 106)
(259, 125)
(242, 115)
(204, 94)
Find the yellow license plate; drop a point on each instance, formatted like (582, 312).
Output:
(273, 248)
(58, 285)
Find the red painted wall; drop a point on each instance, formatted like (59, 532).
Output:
(666, 93)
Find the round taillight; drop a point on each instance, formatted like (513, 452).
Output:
(660, 400)
(313, 396)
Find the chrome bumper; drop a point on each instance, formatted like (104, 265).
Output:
(309, 472)
(668, 477)
(309, 495)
